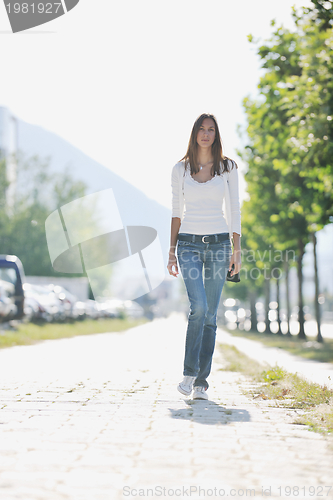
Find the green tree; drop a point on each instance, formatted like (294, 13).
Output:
(290, 135)
(38, 194)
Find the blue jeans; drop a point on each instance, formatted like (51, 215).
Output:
(204, 268)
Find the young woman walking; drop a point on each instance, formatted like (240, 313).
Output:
(201, 232)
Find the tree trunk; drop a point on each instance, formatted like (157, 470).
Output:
(316, 304)
(286, 268)
(279, 332)
(301, 333)
(267, 300)
(254, 321)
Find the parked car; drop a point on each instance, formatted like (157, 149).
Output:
(114, 308)
(66, 298)
(50, 307)
(133, 309)
(79, 310)
(32, 310)
(7, 307)
(104, 310)
(91, 308)
(12, 273)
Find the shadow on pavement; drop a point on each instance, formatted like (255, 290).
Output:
(208, 412)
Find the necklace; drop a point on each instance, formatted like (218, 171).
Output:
(201, 166)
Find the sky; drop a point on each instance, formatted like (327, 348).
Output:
(125, 81)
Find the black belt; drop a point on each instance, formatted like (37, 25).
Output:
(208, 238)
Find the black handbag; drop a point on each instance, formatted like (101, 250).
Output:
(235, 278)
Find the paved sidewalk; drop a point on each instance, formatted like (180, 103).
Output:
(313, 371)
(99, 417)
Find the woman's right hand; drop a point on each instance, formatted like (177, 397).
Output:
(172, 263)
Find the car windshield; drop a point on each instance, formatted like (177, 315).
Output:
(8, 274)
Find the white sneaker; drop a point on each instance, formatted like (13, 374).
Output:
(199, 392)
(186, 385)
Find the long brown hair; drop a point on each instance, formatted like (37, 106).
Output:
(218, 156)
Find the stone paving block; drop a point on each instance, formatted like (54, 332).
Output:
(113, 417)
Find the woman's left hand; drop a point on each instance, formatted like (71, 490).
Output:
(236, 260)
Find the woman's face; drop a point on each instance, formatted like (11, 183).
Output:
(206, 134)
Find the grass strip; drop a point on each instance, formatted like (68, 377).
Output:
(288, 390)
(309, 349)
(30, 333)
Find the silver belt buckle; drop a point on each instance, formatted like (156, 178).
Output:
(203, 239)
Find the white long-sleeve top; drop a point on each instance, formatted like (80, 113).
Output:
(206, 207)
